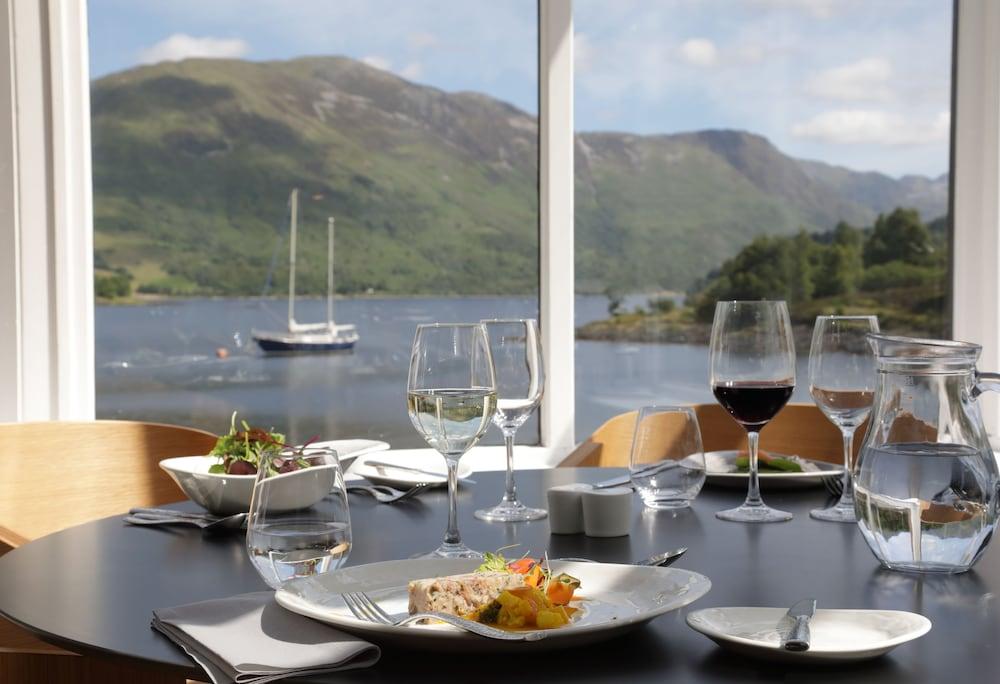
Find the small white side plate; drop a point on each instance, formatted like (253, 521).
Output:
(423, 459)
(614, 599)
(835, 635)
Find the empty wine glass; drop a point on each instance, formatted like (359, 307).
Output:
(752, 376)
(517, 358)
(667, 460)
(842, 383)
(451, 397)
(299, 522)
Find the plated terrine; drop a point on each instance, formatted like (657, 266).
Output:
(460, 594)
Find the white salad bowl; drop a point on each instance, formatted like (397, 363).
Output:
(224, 494)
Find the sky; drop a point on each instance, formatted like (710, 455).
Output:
(851, 82)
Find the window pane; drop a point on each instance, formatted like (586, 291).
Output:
(752, 149)
(413, 125)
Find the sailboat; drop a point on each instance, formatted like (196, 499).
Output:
(308, 337)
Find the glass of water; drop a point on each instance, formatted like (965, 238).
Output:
(667, 461)
(299, 523)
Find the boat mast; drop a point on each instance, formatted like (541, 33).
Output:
(329, 272)
(293, 230)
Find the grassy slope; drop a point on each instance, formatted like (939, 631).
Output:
(433, 192)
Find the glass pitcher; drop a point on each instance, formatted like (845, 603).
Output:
(926, 481)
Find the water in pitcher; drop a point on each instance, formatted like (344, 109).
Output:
(926, 506)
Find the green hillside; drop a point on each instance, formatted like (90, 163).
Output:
(433, 192)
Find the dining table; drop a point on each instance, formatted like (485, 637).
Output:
(92, 588)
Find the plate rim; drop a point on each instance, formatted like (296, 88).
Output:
(703, 585)
(922, 627)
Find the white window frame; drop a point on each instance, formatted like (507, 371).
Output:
(976, 187)
(46, 245)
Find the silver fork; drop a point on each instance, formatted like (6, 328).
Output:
(388, 495)
(363, 608)
(834, 485)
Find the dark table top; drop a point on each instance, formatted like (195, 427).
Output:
(92, 588)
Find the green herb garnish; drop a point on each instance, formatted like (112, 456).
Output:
(774, 464)
(493, 562)
(241, 452)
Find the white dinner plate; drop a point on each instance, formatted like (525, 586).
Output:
(613, 599)
(835, 635)
(429, 461)
(225, 494)
(720, 469)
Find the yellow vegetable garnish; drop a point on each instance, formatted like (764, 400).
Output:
(547, 619)
(523, 608)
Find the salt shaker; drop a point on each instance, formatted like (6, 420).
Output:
(566, 508)
(607, 512)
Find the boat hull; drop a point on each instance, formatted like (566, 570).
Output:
(277, 347)
(285, 343)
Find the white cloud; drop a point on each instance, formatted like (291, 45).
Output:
(412, 71)
(182, 46)
(421, 40)
(867, 126)
(377, 62)
(699, 52)
(865, 80)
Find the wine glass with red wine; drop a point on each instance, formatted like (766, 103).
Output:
(752, 375)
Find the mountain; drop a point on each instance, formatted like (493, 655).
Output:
(433, 192)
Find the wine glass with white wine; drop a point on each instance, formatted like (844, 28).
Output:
(451, 397)
(842, 383)
(517, 358)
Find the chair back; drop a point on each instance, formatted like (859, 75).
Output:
(60, 474)
(799, 429)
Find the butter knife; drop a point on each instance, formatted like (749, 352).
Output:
(619, 481)
(382, 465)
(800, 613)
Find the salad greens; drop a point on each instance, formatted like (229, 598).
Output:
(765, 464)
(241, 452)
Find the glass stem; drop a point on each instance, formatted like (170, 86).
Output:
(753, 489)
(452, 536)
(847, 496)
(510, 495)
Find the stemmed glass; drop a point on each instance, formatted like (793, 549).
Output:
(517, 357)
(842, 383)
(451, 397)
(752, 376)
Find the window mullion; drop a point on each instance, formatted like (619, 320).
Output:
(556, 252)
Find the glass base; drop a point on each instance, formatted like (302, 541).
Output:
(758, 513)
(451, 551)
(511, 511)
(671, 505)
(838, 513)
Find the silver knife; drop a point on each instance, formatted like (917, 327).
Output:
(620, 481)
(407, 469)
(800, 613)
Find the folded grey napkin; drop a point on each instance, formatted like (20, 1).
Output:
(250, 638)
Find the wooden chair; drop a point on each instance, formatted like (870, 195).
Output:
(800, 429)
(60, 474)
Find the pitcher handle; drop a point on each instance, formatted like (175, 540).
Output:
(986, 382)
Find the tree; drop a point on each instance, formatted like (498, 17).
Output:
(900, 236)
(838, 271)
(800, 277)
